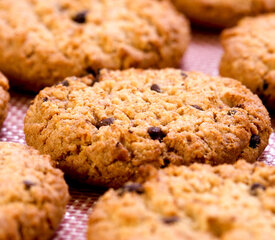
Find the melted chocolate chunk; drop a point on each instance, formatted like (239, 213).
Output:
(255, 187)
(170, 220)
(80, 17)
(105, 122)
(231, 112)
(155, 88)
(28, 184)
(45, 99)
(197, 107)
(131, 187)
(255, 140)
(156, 133)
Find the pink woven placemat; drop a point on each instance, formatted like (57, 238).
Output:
(203, 55)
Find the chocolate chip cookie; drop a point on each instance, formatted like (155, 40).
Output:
(4, 98)
(42, 42)
(33, 194)
(222, 13)
(200, 202)
(249, 55)
(101, 130)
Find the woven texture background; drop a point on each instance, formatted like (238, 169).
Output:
(203, 55)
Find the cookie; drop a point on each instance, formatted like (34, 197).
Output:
(4, 98)
(102, 132)
(249, 55)
(33, 194)
(200, 202)
(42, 42)
(222, 13)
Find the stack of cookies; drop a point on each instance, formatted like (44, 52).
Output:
(177, 149)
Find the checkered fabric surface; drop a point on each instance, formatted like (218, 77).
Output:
(203, 55)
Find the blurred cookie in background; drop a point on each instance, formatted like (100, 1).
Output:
(42, 42)
(249, 55)
(33, 194)
(4, 98)
(222, 13)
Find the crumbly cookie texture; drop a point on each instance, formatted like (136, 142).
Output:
(33, 194)
(42, 42)
(4, 98)
(102, 134)
(249, 55)
(200, 202)
(222, 13)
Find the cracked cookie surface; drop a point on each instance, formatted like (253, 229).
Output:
(33, 194)
(222, 13)
(249, 55)
(102, 134)
(42, 42)
(199, 202)
(4, 98)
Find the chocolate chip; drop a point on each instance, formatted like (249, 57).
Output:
(182, 73)
(28, 184)
(130, 131)
(241, 105)
(80, 17)
(231, 112)
(265, 86)
(170, 220)
(131, 187)
(117, 144)
(166, 162)
(91, 71)
(96, 74)
(255, 140)
(156, 133)
(197, 107)
(255, 187)
(155, 88)
(45, 99)
(65, 83)
(105, 122)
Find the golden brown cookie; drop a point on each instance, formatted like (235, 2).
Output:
(33, 194)
(249, 55)
(42, 42)
(222, 13)
(200, 202)
(4, 98)
(102, 134)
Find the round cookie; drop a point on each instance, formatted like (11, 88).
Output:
(102, 134)
(33, 194)
(42, 42)
(4, 98)
(249, 55)
(222, 13)
(200, 202)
